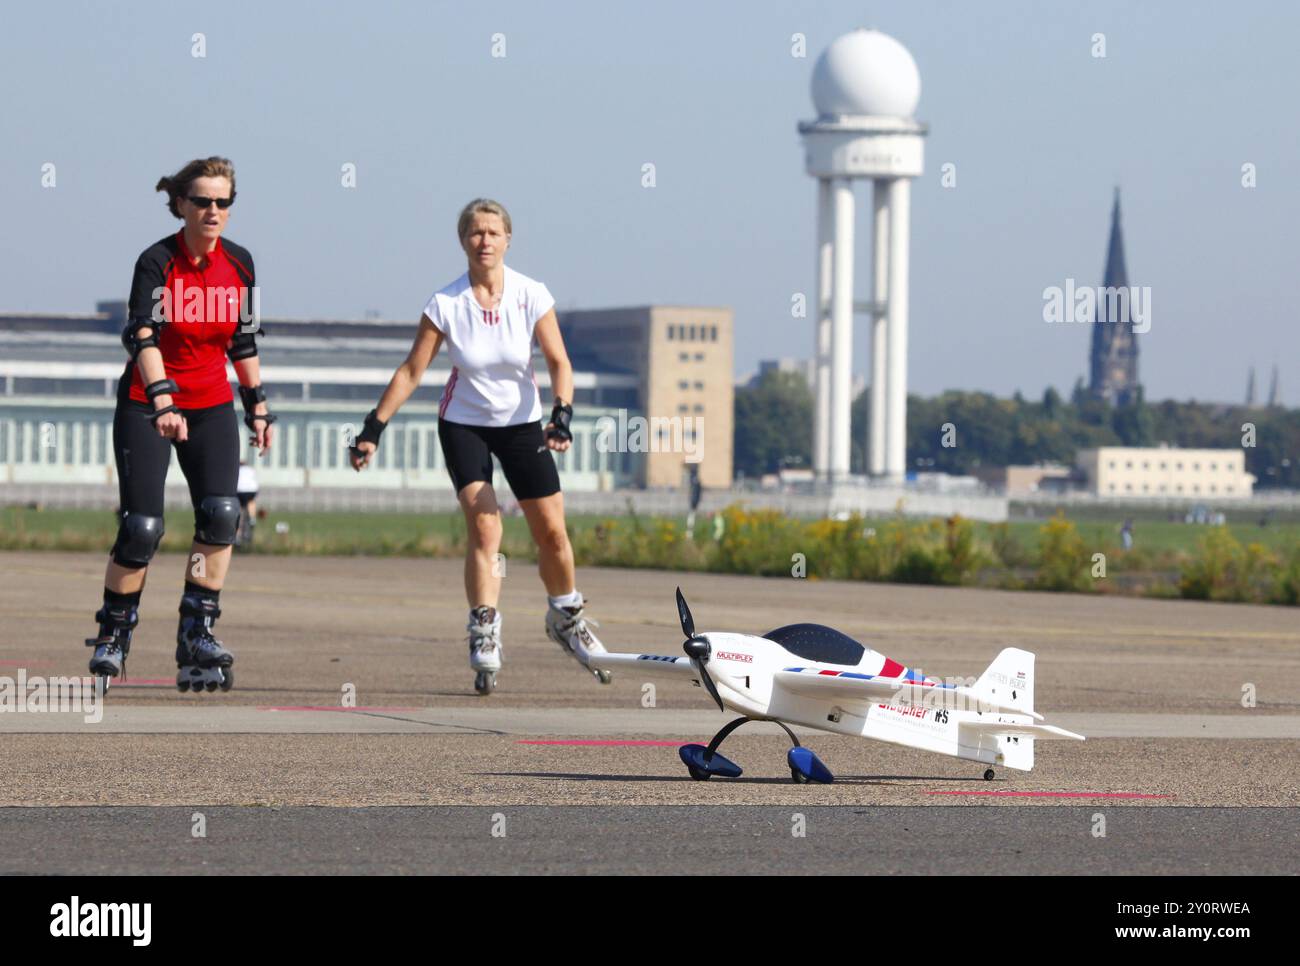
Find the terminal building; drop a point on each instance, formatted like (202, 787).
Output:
(633, 368)
(1165, 472)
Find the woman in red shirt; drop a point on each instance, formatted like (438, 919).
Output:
(192, 305)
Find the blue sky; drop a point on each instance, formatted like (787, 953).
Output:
(558, 129)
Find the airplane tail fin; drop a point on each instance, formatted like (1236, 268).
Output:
(1009, 680)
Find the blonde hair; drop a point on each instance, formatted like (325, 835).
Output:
(178, 184)
(485, 205)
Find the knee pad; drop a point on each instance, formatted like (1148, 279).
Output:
(216, 521)
(138, 537)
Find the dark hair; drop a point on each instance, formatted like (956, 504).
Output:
(178, 184)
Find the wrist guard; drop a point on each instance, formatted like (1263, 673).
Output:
(374, 428)
(250, 396)
(159, 388)
(561, 417)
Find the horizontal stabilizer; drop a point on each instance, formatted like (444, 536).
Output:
(997, 729)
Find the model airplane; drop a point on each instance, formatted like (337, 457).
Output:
(815, 676)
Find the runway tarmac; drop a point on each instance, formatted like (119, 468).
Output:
(1156, 685)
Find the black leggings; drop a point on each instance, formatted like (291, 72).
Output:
(209, 457)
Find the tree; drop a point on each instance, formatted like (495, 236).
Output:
(773, 424)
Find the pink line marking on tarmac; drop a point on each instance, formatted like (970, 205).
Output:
(330, 707)
(1053, 794)
(607, 743)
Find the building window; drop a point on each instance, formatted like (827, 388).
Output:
(691, 334)
(1164, 466)
(683, 384)
(1178, 467)
(1146, 465)
(1128, 465)
(1196, 467)
(684, 357)
(1214, 467)
(683, 408)
(1112, 464)
(1112, 488)
(713, 336)
(699, 357)
(699, 408)
(698, 384)
(670, 333)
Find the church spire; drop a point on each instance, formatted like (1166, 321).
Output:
(1113, 374)
(1116, 272)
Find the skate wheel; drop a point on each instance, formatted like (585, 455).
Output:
(988, 775)
(799, 777)
(210, 686)
(604, 677)
(227, 679)
(699, 776)
(182, 685)
(485, 682)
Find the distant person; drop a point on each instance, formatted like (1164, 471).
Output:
(246, 492)
(183, 321)
(1126, 534)
(490, 317)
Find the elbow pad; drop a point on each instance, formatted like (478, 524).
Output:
(243, 345)
(131, 339)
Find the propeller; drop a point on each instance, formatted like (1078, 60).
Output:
(697, 648)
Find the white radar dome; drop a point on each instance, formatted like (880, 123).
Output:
(866, 73)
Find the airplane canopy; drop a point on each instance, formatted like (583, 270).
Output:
(817, 642)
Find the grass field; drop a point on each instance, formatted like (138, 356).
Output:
(439, 534)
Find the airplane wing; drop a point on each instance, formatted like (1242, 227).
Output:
(648, 663)
(852, 686)
(995, 729)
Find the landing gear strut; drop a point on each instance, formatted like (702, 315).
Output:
(703, 763)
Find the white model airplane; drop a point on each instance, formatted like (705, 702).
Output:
(815, 676)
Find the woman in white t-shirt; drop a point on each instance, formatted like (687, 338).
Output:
(489, 318)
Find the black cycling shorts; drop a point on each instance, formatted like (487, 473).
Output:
(521, 449)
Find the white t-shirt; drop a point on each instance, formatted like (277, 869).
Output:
(492, 382)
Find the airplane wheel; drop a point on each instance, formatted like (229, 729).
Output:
(799, 777)
(988, 774)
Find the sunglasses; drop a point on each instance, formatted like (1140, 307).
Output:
(200, 202)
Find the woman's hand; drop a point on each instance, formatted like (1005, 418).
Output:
(263, 431)
(558, 445)
(360, 455)
(170, 425)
